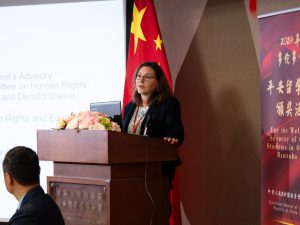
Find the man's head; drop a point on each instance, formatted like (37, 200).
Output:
(21, 165)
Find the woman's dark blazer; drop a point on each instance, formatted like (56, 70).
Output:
(37, 208)
(162, 120)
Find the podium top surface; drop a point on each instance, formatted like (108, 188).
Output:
(101, 147)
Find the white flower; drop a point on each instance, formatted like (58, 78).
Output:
(97, 126)
(73, 124)
(115, 127)
(88, 120)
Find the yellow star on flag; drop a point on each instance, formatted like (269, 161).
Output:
(158, 42)
(136, 28)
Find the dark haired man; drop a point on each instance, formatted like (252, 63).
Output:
(22, 179)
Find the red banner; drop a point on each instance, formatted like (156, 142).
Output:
(280, 111)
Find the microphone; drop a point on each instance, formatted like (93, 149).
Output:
(147, 124)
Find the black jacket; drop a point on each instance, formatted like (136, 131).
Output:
(37, 208)
(162, 120)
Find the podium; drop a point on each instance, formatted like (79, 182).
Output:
(106, 177)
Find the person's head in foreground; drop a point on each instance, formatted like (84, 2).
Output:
(22, 179)
(21, 170)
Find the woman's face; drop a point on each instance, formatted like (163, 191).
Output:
(146, 81)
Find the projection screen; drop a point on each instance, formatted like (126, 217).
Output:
(55, 59)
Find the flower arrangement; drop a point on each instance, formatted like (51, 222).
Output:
(87, 120)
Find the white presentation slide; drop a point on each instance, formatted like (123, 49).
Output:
(55, 59)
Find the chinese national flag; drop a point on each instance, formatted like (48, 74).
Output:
(146, 44)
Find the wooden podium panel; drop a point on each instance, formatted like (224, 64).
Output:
(101, 147)
(115, 202)
(80, 202)
(107, 178)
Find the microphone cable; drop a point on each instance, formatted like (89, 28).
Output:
(146, 181)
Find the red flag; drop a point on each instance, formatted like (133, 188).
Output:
(252, 6)
(146, 44)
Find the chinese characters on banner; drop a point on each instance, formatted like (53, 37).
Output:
(280, 111)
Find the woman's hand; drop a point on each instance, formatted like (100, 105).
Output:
(171, 140)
